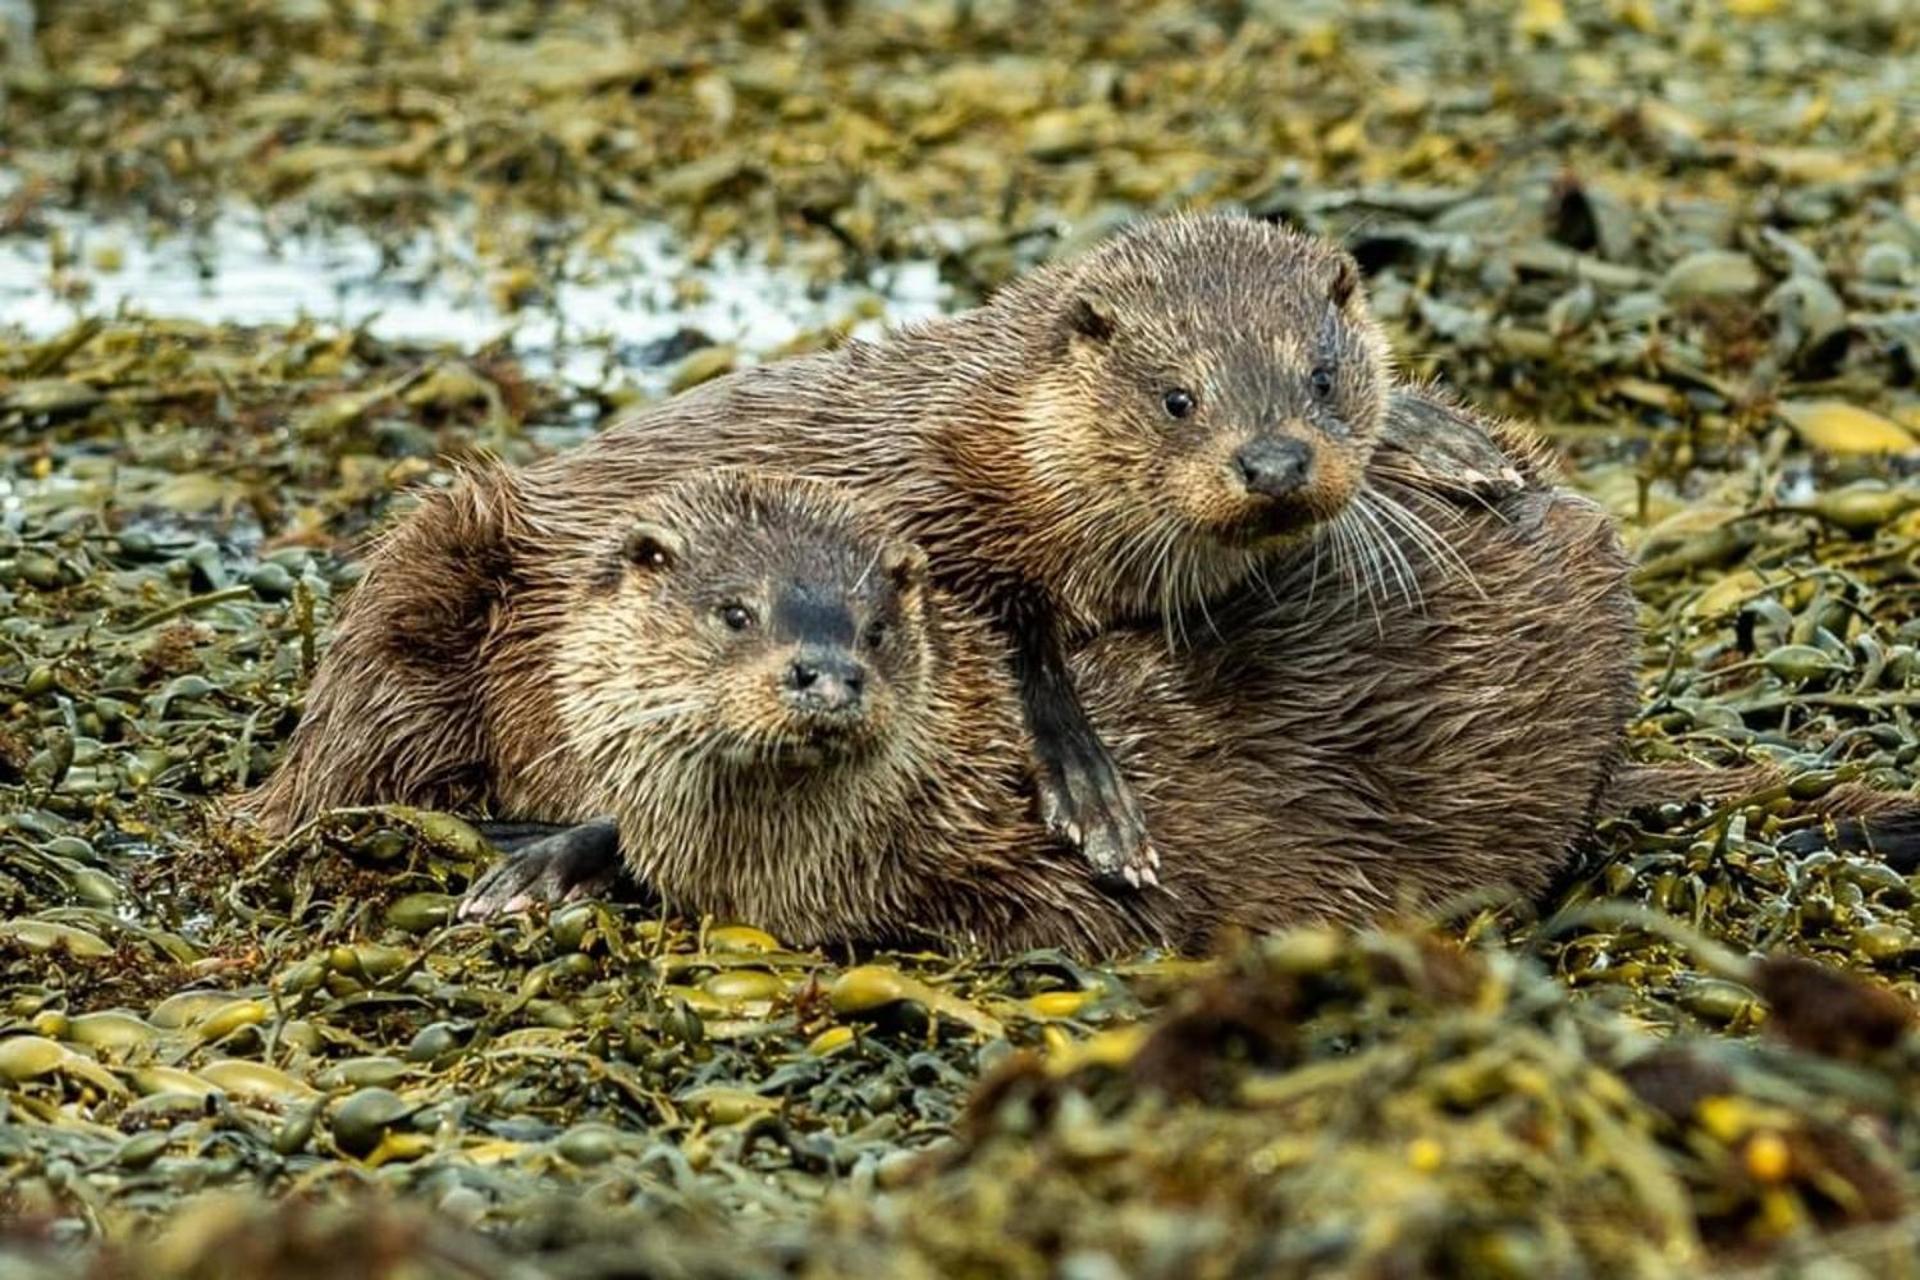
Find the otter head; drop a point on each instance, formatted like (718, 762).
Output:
(1231, 385)
(745, 622)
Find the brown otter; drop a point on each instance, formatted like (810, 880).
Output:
(844, 762)
(737, 666)
(1129, 435)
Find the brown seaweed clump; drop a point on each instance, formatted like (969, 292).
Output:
(1497, 1128)
(1381, 1104)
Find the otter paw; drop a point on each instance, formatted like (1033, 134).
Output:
(573, 863)
(1086, 803)
(1433, 446)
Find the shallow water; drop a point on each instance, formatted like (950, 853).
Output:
(623, 321)
(593, 325)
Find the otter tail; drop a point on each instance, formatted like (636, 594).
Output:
(1856, 818)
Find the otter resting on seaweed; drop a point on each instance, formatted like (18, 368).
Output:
(1128, 436)
(788, 723)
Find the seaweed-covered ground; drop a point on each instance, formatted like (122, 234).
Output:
(1681, 238)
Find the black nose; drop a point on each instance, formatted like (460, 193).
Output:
(1274, 468)
(825, 682)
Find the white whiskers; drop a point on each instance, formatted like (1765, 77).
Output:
(1425, 537)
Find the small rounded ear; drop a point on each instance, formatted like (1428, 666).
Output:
(653, 546)
(1090, 316)
(905, 565)
(1345, 286)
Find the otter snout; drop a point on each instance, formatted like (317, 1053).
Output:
(825, 682)
(1274, 468)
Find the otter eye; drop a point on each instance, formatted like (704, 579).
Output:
(1179, 402)
(1321, 380)
(736, 617)
(876, 634)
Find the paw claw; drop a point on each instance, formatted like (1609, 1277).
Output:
(1089, 808)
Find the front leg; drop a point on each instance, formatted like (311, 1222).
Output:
(1084, 799)
(563, 864)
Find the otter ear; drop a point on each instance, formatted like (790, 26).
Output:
(905, 565)
(653, 546)
(1090, 316)
(1345, 286)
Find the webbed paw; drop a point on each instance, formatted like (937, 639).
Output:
(570, 864)
(1086, 802)
(1443, 449)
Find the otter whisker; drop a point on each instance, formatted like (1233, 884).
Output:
(1424, 541)
(1176, 588)
(1412, 591)
(1335, 547)
(1166, 608)
(1199, 597)
(1376, 564)
(1162, 575)
(1192, 584)
(1360, 568)
(1321, 542)
(1421, 483)
(1363, 568)
(1258, 573)
(1393, 556)
(860, 583)
(1133, 563)
(1160, 593)
(1173, 595)
(1335, 540)
(1383, 482)
(1430, 539)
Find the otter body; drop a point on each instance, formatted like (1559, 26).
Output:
(749, 673)
(1131, 435)
(1359, 731)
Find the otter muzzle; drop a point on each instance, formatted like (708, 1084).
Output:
(824, 682)
(1274, 468)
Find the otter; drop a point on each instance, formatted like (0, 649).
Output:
(1129, 435)
(757, 697)
(734, 665)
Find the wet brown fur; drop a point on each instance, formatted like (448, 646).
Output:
(390, 714)
(1021, 452)
(1024, 444)
(1317, 749)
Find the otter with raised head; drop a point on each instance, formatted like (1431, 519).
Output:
(788, 724)
(1130, 435)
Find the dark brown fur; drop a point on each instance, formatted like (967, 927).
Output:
(390, 714)
(1016, 448)
(1028, 447)
(1328, 750)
